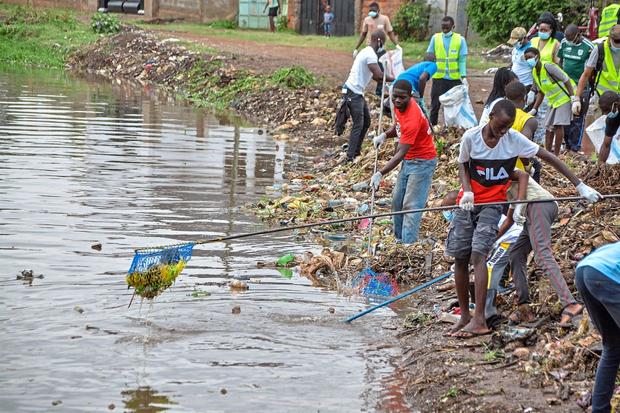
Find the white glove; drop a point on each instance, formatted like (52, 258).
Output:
(378, 140)
(467, 201)
(399, 48)
(533, 112)
(354, 53)
(517, 214)
(490, 70)
(376, 180)
(576, 105)
(529, 99)
(465, 83)
(591, 194)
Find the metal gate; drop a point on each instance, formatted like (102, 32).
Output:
(251, 15)
(311, 17)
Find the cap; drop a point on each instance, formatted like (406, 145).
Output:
(516, 34)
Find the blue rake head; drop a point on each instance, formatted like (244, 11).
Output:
(146, 258)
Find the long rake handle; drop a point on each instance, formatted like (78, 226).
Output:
(399, 297)
(387, 214)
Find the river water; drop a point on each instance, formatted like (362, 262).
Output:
(83, 163)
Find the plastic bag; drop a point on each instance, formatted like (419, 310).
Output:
(392, 61)
(596, 133)
(457, 108)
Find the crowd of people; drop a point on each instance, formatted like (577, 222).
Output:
(554, 73)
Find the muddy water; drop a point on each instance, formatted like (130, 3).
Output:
(84, 163)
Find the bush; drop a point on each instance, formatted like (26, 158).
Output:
(293, 77)
(223, 24)
(411, 20)
(282, 23)
(105, 23)
(494, 19)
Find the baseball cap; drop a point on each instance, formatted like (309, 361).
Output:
(516, 34)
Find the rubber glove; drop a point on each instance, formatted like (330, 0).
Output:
(530, 97)
(576, 105)
(354, 53)
(591, 194)
(467, 201)
(465, 83)
(378, 140)
(533, 112)
(376, 180)
(517, 214)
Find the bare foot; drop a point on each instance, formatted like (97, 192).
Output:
(458, 326)
(476, 328)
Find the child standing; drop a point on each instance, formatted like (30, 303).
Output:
(328, 18)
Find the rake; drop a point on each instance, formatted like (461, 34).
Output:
(154, 269)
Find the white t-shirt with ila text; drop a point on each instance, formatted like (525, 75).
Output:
(360, 74)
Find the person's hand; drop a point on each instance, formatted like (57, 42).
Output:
(576, 105)
(533, 112)
(467, 201)
(465, 83)
(354, 53)
(376, 180)
(378, 140)
(517, 214)
(591, 194)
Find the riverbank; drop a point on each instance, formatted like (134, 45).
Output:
(541, 367)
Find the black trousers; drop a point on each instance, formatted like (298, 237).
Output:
(574, 131)
(440, 86)
(360, 115)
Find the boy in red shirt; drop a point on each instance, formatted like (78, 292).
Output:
(487, 158)
(416, 151)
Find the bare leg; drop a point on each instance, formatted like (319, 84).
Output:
(272, 26)
(549, 140)
(461, 278)
(559, 138)
(478, 324)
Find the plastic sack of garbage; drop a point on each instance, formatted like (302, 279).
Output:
(457, 108)
(596, 133)
(392, 61)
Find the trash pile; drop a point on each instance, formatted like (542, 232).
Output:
(501, 53)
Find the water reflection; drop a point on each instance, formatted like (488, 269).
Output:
(145, 400)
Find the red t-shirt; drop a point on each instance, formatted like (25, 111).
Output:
(414, 130)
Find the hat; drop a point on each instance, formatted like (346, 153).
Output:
(516, 34)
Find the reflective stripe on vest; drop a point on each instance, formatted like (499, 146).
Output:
(546, 54)
(609, 18)
(449, 59)
(610, 76)
(550, 88)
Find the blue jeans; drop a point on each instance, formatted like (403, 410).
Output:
(602, 298)
(411, 192)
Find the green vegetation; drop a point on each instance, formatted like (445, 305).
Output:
(223, 24)
(413, 50)
(40, 38)
(494, 20)
(105, 23)
(282, 24)
(293, 77)
(411, 20)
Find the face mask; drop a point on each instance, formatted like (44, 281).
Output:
(380, 50)
(373, 14)
(448, 34)
(614, 113)
(518, 45)
(448, 215)
(532, 62)
(612, 46)
(544, 36)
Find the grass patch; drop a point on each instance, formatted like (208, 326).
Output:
(413, 50)
(40, 38)
(293, 77)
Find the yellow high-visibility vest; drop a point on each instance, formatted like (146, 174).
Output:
(610, 75)
(546, 54)
(552, 90)
(521, 119)
(447, 59)
(609, 18)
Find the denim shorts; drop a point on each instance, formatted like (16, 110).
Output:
(473, 231)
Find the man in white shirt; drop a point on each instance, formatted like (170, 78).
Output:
(364, 69)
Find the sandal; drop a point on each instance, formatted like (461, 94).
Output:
(571, 316)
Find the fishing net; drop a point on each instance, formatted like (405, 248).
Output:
(153, 270)
(370, 283)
